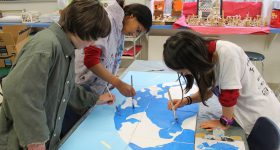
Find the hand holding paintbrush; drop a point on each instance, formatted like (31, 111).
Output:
(117, 109)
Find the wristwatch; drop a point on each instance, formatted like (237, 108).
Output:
(226, 122)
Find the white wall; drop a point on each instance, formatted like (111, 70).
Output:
(43, 7)
(48, 7)
(247, 42)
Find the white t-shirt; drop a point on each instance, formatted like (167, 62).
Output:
(234, 70)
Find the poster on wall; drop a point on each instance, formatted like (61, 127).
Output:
(209, 7)
(158, 8)
(177, 6)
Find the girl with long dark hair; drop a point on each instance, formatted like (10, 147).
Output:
(221, 68)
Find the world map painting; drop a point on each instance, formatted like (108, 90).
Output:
(150, 125)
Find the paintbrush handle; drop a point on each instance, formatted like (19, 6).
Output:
(131, 80)
(109, 91)
(174, 111)
(112, 96)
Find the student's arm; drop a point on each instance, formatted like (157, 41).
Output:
(196, 98)
(25, 93)
(124, 88)
(212, 124)
(228, 112)
(81, 100)
(92, 62)
(228, 99)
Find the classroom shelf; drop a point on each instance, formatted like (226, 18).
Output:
(275, 30)
(134, 46)
(34, 25)
(162, 27)
(168, 27)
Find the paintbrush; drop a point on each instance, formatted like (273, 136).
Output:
(117, 109)
(132, 100)
(174, 111)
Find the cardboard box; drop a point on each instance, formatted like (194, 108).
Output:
(12, 39)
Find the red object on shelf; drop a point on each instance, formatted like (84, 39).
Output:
(190, 8)
(221, 30)
(229, 8)
(275, 18)
(242, 8)
(130, 51)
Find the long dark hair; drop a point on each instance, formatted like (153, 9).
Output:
(188, 50)
(85, 18)
(141, 12)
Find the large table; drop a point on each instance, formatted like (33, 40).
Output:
(205, 113)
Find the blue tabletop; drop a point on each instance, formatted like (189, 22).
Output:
(149, 126)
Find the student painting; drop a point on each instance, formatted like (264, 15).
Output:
(97, 66)
(222, 68)
(37, 90)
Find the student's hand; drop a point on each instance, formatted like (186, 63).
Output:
(36, 146)
(106, 98)
(125, 89)
(212, 124)
(177, 103)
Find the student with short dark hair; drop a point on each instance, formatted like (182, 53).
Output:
(41, 82)
(221, 68)
(97, 66)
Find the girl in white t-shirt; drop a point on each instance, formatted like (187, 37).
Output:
(222, 68)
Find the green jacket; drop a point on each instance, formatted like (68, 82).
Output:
(37, 90)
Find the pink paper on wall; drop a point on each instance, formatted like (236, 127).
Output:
(229, 8)
(242, 8)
